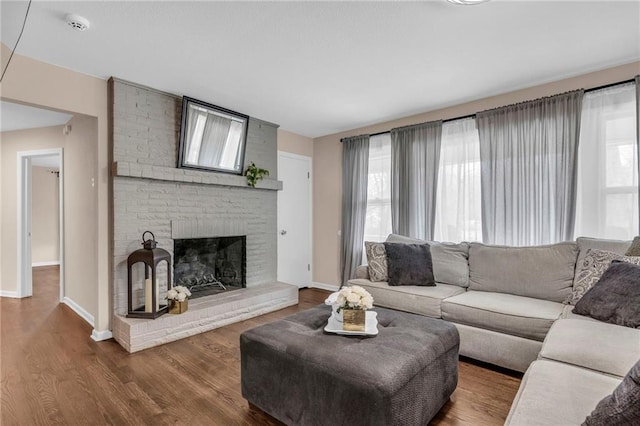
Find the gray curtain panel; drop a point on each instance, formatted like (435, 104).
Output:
(355, 168)
(638, 128)
(415, 157)
(528, 156)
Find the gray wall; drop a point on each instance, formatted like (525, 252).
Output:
(145, 130)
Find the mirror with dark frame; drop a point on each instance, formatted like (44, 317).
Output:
(212, 138)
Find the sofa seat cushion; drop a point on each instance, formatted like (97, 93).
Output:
(553, 393)
(607, 348)
(415, 299)
(505, 313)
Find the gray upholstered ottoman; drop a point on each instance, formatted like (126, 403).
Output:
(294, 371)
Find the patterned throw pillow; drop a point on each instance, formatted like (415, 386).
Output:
(595, 263)
(634, 250)
(377, 260)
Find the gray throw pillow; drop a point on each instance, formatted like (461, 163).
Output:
(634, 250)
(409, 264)
(376, 261)
(622, 407)
(593, 266)
(615, 298)
(450, 260)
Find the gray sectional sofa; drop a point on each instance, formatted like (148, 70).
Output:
(507, 303)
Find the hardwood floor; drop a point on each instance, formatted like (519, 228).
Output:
(53, 373)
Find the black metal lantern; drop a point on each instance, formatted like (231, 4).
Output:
(145, 298)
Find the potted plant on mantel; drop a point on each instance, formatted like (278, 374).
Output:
(255, 174)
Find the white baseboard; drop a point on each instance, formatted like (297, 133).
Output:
(323, 286)
(99, 336)
(12, 294)
(79, 310)
(49, 263)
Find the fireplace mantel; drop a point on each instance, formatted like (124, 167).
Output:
(172, 174)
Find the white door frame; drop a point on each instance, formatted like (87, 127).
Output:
(25, 284)
(309, 160)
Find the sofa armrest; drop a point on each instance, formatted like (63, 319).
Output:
(362, 272)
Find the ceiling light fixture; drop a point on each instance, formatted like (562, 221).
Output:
(467, 2)
(77, 22)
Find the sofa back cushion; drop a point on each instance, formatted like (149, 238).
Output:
(450, 260)
(584, 244)
(543, 272)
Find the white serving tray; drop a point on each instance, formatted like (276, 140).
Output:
(370, 326)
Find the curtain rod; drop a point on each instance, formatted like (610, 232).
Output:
(605, 86)
(444, 121)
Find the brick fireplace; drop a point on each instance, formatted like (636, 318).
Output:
(151, 193)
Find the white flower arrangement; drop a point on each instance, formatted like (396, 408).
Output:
(354, 297)
(179, 293)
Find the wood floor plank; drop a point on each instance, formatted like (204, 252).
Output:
(51, 372)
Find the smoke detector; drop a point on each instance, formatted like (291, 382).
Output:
(77, 22)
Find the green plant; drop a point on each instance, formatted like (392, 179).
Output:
(255, 174)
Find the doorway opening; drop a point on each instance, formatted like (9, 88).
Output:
(40, 219)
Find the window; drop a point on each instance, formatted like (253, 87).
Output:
(607, 201)
(607, 185)
(458, 208)
(378, 222)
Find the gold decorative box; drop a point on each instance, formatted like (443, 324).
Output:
(176, 307)
(353, 319)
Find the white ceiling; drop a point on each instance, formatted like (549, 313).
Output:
(19, 117)
(317, 68)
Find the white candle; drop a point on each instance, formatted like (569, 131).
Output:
(148, 303)
(157, 298)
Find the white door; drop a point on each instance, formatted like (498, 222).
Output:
(294, 219)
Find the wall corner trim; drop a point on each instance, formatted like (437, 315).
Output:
(323, 286)
(99, 336)
(79, 310)
(12, 294)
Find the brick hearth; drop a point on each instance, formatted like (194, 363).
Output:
(204, 314)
